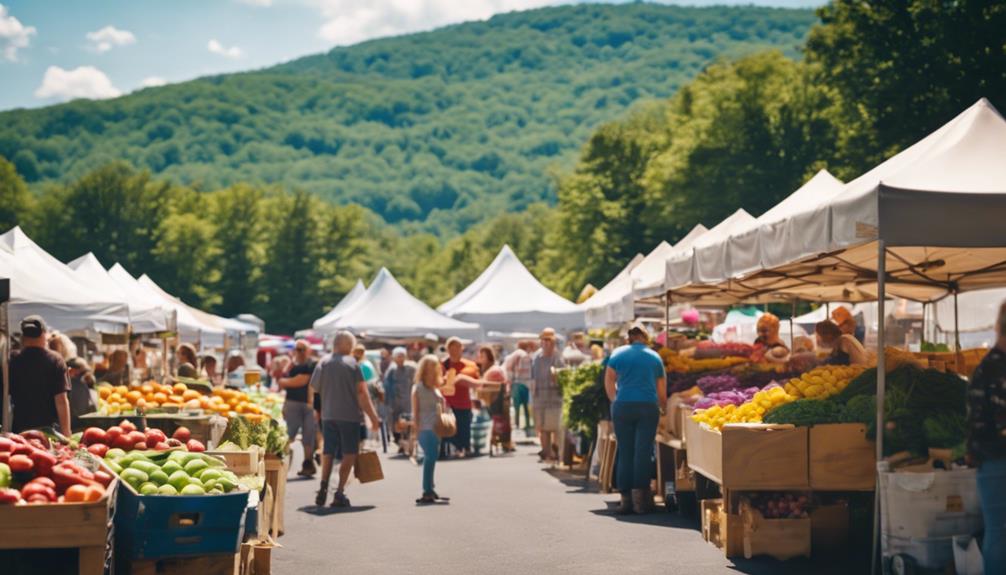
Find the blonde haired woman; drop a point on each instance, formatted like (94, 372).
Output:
(427, 403)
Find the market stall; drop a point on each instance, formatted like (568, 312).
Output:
(145, 316)
(506, 298)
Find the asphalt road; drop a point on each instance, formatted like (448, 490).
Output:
(507, 515)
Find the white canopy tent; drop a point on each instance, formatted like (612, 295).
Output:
(649, 276)
(609, 306)
(692, 266)
(506, 297)
(144, 316)
(41, 284)
(388, 310)
(194, 326)
(323, 324)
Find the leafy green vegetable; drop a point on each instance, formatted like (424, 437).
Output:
(806, 412)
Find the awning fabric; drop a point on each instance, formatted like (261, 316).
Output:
(388, 310)
(194, 326)
(41, 284)
(144, 316)
(612, 304)
(703, 260)
(323, 325)
(506, 297)
(649, 277)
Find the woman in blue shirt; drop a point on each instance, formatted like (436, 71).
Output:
(637, 386)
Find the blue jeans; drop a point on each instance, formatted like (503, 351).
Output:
(992, 491)
(635, 425)
(431, 448)
(462, 440)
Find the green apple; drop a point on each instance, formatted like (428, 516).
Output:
(159, 477)
(134, 477)
(171, 466)
(193, 489)
(167, 489)
(148, 488)
(179, 479)
(194, 466)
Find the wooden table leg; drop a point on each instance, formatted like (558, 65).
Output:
(91, 561)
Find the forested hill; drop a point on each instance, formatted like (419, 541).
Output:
(441, 128)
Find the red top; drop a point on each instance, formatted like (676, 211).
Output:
(462, 398)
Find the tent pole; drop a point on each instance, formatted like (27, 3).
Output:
(667, 318)
(5, 345)
(792, 312)
(881, 390)
(957, 326)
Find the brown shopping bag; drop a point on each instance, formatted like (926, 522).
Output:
(368, 467)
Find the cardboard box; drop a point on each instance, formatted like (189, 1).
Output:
(930, 505)
(750, 457)
(841, 458)
(829, 529)
(779, 538)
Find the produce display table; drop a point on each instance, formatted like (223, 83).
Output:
(198, 425)
(248, 462)
(86, 526)
(753, 457)
(841, 458)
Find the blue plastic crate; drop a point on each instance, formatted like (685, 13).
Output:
(163, 526)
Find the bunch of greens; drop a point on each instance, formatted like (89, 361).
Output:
(269, 434)
(583, 397)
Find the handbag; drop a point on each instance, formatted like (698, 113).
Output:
(368, 467)
(445, 425)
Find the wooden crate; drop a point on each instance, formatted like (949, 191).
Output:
(86, 526)
(750, 457)
(841, 458)
(275, 478)
(829, 525)
(779, 538)
(219, 564)
(249, 462)
(721, 528)
(256, 559)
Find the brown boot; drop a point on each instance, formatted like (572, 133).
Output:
(642, 501)
(624, 505)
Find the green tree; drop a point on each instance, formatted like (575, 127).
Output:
(184, 258)
(292, 271)
(15, 201)
(903, 68)
(237, 213)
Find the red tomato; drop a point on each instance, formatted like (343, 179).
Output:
(93, 435)
(112, 434)
(155, 436)
(195, 445)
(182, 434)
(127, 425)
(20, 463)
(98, 449)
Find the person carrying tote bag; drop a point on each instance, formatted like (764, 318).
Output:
(431, 421)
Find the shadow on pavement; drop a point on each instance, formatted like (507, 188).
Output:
(656, 518)
(574, 480)
(323, 511)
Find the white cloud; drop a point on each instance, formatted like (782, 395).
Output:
(82, 82)
(13, 34)
(217, 48)
(352, 21)
(153, 82)
(109, 37)
(260, 3)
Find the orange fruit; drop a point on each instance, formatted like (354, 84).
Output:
(134, 396)
(160, 397)
(104, 391)
(179, 388)
(191, 394)
(146, 388)
(176, 399)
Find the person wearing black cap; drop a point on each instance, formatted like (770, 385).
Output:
(637, 387)
(38, 382)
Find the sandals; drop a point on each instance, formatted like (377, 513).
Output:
(426, 499)
(340, 500)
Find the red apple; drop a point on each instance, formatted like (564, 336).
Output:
(127, 425)
(182, 434)
(195, 445)
(111, 434)
(162, 446)
(140, 446)
(123, 442)
(98, 449)
(93, 435)
(172, 442)
(155, 436)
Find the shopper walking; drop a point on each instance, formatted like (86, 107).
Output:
(82, 396)
(398, 380)
(39, 385)
(518, 369)
(545, 394)
(466, 377)
(297, 410)
(427, 405)
(637, 387)
(987, 445)
(344, 401)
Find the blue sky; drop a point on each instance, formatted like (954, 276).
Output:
(53, 51)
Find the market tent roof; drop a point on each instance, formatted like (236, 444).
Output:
(608, 305)
(323, 324)
(506, 297)
(144, 316)
(388, 310)
(690, 266)
(193, 325)
(941, 228)
(649, 276)
(41, 284)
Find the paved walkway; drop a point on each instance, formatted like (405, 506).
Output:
(507, 515)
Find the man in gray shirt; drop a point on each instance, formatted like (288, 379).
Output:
(344, 400)
(398, 380)
(546, 399)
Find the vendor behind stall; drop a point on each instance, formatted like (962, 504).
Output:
(845, 348)
(38, 382)
(83, 398)
(846, 323)
(768, 344)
